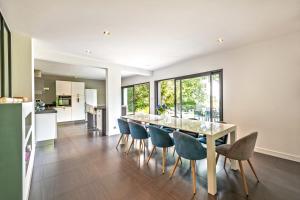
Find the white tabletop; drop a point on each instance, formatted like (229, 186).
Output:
(190, 125)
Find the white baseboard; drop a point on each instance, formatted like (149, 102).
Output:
(278, 154)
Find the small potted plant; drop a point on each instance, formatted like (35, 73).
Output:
(161, 109)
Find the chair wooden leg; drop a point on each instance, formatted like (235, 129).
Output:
(150, 154)
(140, 149)
(243, 177)
(119, 140)
(217, 158)
(164, 159)
(175, 166)
(225, 162)
(130, 146)
(194, 176)
(253, 170)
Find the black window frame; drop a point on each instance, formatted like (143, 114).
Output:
(208, 73)
(129, 86)
(2, 63)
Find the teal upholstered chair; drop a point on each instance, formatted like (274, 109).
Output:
(160, 138)
(124, 130)
(189, 148)
(241, 150)
(138, 132)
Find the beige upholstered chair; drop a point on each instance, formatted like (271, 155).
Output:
(241, 150)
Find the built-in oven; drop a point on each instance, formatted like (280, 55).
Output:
(64, 101)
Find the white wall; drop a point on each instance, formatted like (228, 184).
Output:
(22, 66)
(113, 99)
(261, 90)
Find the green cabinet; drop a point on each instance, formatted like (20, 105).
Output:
(17, 149)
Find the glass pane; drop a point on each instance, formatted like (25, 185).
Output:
(128, 99)
(142, 98)
(6, 63)
(1, 94)
(216, 97)
(196, 98)
(166, 97)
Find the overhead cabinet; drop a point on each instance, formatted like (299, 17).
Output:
(63, 88)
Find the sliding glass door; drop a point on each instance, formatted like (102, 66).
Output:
(127, 99)
(196, 96)
(136, 98)
(142, 98)
(166, 97)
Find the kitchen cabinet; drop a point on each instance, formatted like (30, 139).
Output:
(78, 107)
(78, 88)
(78, 101)
(63, 88)
(91, 97)
(64, 114)
(45, 126)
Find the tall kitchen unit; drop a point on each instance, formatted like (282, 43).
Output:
(70, 105)
(78, 101)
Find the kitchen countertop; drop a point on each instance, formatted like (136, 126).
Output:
(48, 110)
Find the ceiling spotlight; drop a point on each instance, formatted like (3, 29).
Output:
(87, 51)
(220, 40)
(106, 33)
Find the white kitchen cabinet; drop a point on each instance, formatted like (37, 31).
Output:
(64, 114)
(78, 107)
(91, 97)
(63, 88)
(78, 88)
(78, 101)
(45, 126)
(77, 110)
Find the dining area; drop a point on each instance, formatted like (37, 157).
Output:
(190, 140)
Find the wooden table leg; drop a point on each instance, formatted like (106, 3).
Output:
(211, 165)
(232, 140)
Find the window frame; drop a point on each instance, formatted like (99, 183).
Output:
(3, 85)
(180, 78)
(132, 85)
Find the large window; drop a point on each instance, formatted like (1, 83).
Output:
(136, 98)
(196, 96)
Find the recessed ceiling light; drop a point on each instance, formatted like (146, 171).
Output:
(87, 51)
(107, 33)
(220, 40)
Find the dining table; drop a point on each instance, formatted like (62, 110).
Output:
(212, 131)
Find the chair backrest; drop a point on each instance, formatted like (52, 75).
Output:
(160, 137)
(123, 126)
(243, 148)
(188, 147)
(138, 131)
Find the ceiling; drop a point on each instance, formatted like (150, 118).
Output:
(150, 34)
(77, 71)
